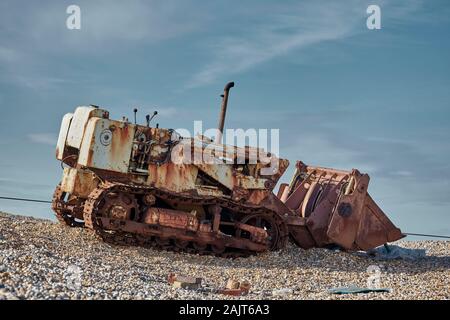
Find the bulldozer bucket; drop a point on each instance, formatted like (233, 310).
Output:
(335, 209)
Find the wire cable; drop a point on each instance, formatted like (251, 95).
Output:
(426, 235)
(406, 233)
(25, 199)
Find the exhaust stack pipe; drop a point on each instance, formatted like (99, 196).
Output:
(223, 111)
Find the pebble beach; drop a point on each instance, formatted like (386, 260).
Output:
(42, 259)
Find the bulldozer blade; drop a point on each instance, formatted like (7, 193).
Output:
(336, 209)
(375, 227)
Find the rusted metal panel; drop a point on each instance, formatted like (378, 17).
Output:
(294, 200)
(302, 237)
(210, 191)
(319, 219)
(63, 132)
(208, 150)
(249, 182)
(256, 197)
(79, 122)
(345, 220)
(107, 145)
(222, 173)
(171, 218)
(78, 182)
(375, 227)
(170, 176)
(274, 169)
(225, 175)
(283, 187)
(266, 165)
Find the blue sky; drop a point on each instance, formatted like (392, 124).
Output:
(342, 96)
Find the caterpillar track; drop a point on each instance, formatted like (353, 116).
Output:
(66, 209)
(132, 232)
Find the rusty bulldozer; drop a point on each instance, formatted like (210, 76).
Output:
(131, 184)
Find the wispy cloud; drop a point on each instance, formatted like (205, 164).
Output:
(289, 28)
(34, 34)
(103, 23)
(43, 138)
(37, 82)
(8, 54)
(168, 111)
(229, 42)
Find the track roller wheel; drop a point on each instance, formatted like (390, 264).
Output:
(181, 244)
(120, 205)
(218, 249)
(163, 242)
(200, 246)
(266, 222)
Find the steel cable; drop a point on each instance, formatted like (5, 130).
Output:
(406, 233)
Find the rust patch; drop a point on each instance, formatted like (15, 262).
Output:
(171, 218)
